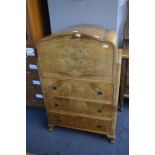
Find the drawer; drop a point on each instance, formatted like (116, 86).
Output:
(33, 68)
(33, 81)
(69, 56)
(32, 75)
(31, 65)
(35, 103)
(31, 60)
(37, 88)
(79, 122)
(33, 95)
(80, 107)
(79, 89)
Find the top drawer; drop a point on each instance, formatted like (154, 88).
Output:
(76, 57)
(88, 90)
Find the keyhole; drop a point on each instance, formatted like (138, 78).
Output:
(99, 110)
(56, 104)
(54, 88)
(58, 120)
(99, 126)
(100, 93)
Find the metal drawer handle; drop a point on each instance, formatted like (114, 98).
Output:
(99, 93)
(99, 126)
(99, 110)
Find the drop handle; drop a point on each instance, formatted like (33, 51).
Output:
(99, 126)
(100, 93)
(99, 110)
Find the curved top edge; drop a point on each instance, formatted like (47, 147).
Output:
(95, 32)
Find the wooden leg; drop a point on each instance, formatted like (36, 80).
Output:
(111, 138)
(122, 84)
(50, 127)
(112, 141)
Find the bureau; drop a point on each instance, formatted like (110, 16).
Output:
(79, 69)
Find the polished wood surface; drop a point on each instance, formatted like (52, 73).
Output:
(88, 90)
(71, 120)
(37, 21)
(29, 39)
(36, 15)
(80, 106)
(80, 75)
(76, 58)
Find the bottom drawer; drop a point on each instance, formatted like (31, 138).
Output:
(81, 123)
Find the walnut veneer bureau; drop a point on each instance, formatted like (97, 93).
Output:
(80, 74)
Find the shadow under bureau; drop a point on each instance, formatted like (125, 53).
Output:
(80, 74)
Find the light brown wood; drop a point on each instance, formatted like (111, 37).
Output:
(80, 107)
(80, 75)
(35, 19)
(87, 90)
(76, 58)
(83, 123)
(125, 54)
(29, 39)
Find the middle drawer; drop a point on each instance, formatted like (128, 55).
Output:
(80, 107)
(88, 90)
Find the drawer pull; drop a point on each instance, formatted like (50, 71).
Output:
(39, 96)
(54, 88)
(33, 66)
(99, 126)
(99, 110)
(35, 82)
(99, 93)
(58, 120)
(30, 52)
(56, 104)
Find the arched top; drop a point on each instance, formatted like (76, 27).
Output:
(92, 31)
